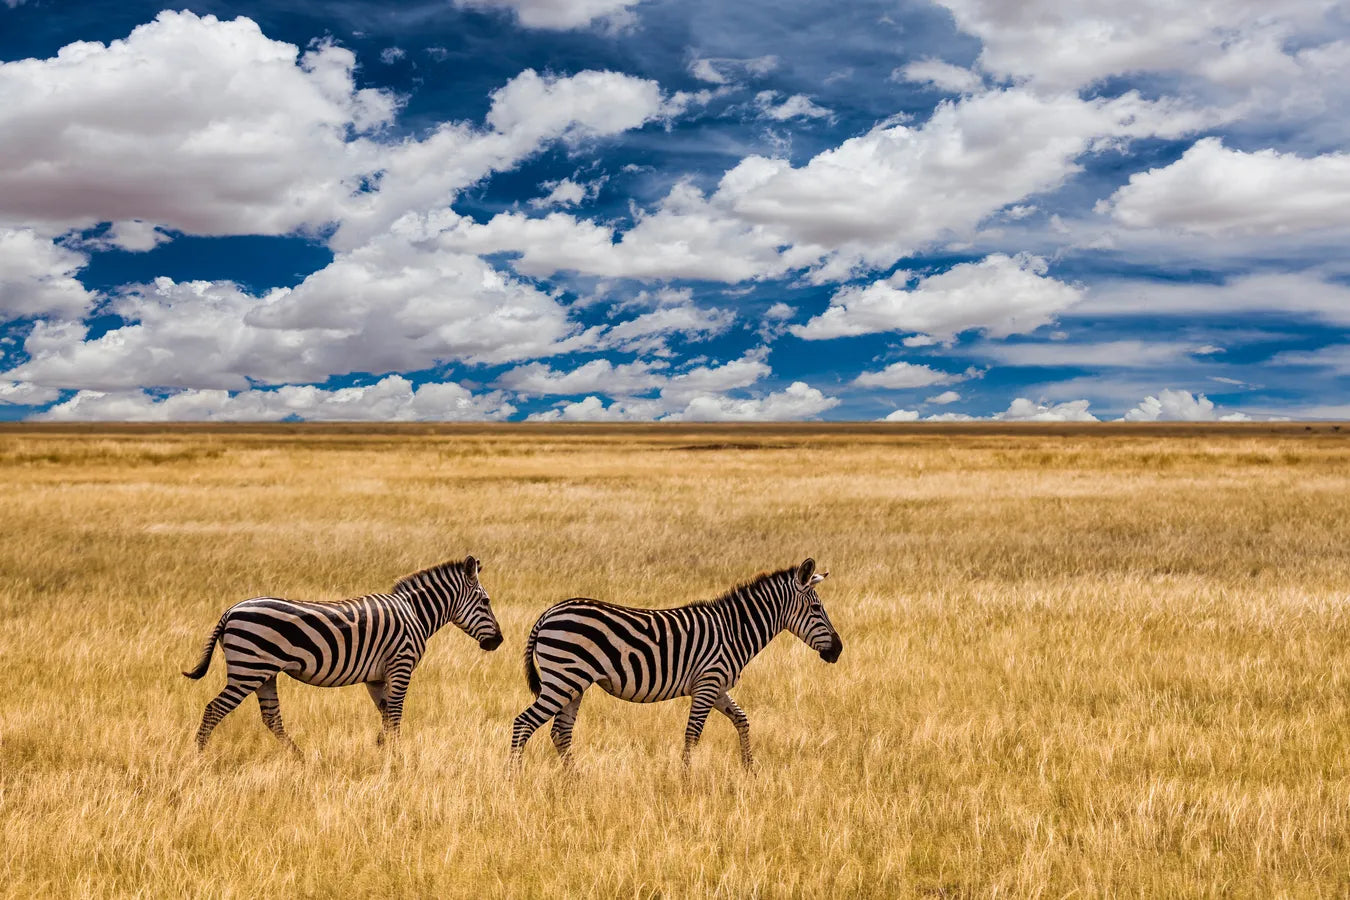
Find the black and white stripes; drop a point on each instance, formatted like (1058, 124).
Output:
(376, 640)
(646, 655)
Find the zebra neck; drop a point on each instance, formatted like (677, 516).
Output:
(754, 619)
(432, 610)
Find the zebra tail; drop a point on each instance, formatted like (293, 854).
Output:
(531, 672)
(210, 649)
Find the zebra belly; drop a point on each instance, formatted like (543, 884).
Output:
(324, 679)
(640, 693)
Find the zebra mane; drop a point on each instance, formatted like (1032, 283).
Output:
(408, 583)
(744, 586)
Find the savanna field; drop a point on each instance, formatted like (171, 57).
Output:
(1105, 661)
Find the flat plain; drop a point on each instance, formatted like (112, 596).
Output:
(1089, 661)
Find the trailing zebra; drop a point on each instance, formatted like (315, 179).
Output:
(646, 655)
(377, 640)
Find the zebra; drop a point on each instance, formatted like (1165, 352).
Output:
(647, 655)
(377, 640)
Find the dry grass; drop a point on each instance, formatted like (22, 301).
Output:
(1110, 661)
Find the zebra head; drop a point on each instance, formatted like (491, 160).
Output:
(471, 609)
(451, 592)
(804, 614)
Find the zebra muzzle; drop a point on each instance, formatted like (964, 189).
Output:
(491, 642)
(831, 653)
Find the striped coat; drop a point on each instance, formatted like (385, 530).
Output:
(648, 655)
(376, 640)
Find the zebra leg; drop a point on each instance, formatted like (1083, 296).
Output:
(270, 706)
(377, 696)
(224, 703)
(705, 695)
(548, 704)
(562, 729)
(732, 711)
(395, 689)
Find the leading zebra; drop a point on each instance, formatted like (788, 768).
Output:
(646, 655)
(377, 640)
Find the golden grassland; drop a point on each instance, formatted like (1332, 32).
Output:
(1090, 661)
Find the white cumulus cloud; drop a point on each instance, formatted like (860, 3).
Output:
(1217, 191)
(388, 306)
(566, 192)
(560, 15)
(902, 415)
(1020, 410)
(1059, 45)
(200, 125)
(798, 401)
(1024, 410)
(593, 409)
(682, 239)
(629, 380)
(598, 375)
(391, 399)
(21, 393)
(902, 375)
(798, 106)
(649, 331)
(702, 393)
(940, 74)
(999, 295)
(1179, 406)
(38, 277)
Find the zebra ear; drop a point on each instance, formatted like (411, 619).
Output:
(472, 566)
(819, 577)
(805, 571)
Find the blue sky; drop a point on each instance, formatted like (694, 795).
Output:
(636, 209)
